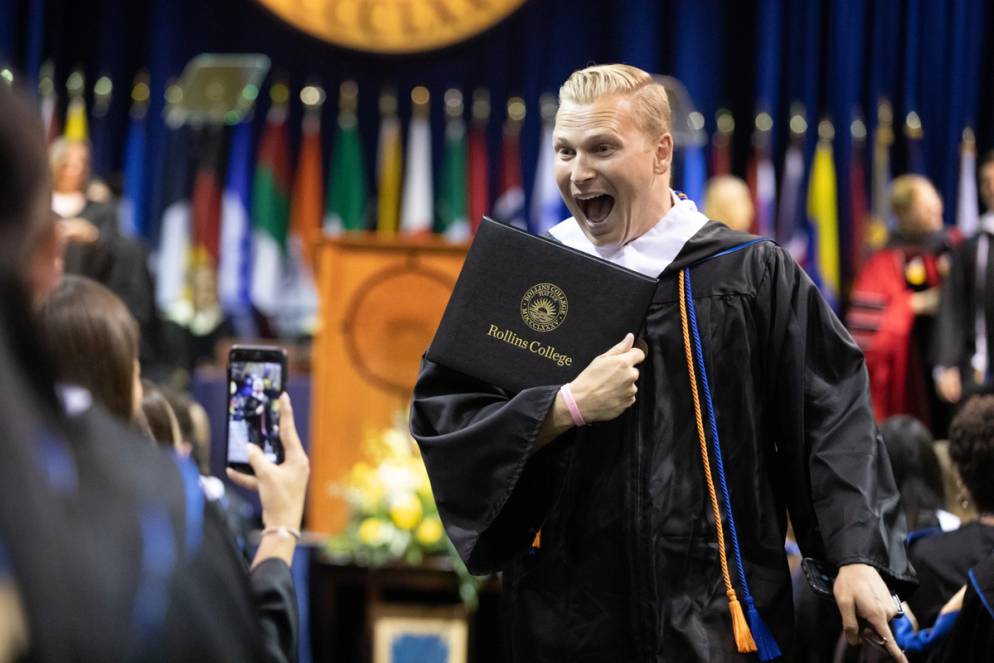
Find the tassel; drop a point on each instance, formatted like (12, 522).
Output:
(740, 627)
(765, 642)
(751, 635)
(537, 541)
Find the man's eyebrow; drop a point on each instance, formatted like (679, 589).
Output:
(601, 137)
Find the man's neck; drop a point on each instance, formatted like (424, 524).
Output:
(666, 203)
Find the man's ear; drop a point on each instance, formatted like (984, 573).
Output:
(663, 158)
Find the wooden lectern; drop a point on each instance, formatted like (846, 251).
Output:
(381, 300)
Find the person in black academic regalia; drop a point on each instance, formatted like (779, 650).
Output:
(966, 307)
(594, 498)
(972, 634)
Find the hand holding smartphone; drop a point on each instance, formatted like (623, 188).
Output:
(282, 490)
(256, 379)
(821, 580)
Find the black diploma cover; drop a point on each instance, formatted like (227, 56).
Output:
(529, 311)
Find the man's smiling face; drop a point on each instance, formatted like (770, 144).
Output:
(609, 171)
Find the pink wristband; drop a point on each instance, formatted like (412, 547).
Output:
(574, 410)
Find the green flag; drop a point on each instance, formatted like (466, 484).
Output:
(270, 212)
(452, 220)
(347, 196)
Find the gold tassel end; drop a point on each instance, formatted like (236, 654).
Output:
(740, 627)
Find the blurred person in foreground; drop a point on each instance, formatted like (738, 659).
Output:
(727, 199)
(108, 550)
(633, 562)
(966, 308)
(893, 305)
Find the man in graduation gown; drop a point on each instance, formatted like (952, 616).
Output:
(627, 566)
(966, 309)
(894, 302)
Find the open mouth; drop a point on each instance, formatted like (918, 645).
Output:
(597, 207)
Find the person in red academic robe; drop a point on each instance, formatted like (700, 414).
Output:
(894, 301)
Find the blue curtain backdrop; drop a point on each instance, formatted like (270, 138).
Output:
(837, 57)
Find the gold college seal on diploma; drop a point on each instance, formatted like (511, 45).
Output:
(393, 26)
(544, 306)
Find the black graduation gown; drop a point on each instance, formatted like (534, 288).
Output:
(628, 564)
(942, 561)
(972, 637)
(962, 294)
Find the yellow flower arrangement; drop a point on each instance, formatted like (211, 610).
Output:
(393, 513)
(430, 531)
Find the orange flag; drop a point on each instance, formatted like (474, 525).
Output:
(307, 207)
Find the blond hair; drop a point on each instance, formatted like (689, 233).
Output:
(649, 99)
(727, 199)
(903, 193)
(58, 150)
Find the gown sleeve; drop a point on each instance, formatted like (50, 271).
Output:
(477, 441)
(832, 464)
(276, 603)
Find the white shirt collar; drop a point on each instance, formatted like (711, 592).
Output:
(648, 254)
(987, 222)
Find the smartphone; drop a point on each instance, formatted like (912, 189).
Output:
(820, 578)
(256, 378)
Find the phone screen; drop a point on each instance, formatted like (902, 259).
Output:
(254, 389)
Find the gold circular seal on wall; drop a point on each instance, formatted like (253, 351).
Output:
(391, 319)
(544, 307)
(392, 26)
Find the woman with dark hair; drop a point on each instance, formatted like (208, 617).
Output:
(943, 560)
(107, 548)
(916, 471)
(93, 340)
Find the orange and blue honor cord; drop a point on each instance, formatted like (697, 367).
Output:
(751, 633)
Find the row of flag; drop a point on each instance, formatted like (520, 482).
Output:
(252, 240)
(801, 208)
(250, 235)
